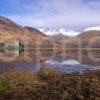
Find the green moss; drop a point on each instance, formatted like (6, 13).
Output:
(3, 85)
(12, 47)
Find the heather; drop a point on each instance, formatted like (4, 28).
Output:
(48, 84)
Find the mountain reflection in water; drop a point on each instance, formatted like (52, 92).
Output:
(32, 60)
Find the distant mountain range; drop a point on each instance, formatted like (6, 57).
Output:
(54, 31)
(66, 32)
(10, 30)
(89, 38)
(59, 34)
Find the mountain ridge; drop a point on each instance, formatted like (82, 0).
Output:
(9, 30)
(56, 31)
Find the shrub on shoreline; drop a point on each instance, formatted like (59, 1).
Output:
(49, 85)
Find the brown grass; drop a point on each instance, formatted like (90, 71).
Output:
(49, 85)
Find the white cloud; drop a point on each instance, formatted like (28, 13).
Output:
(60, 13)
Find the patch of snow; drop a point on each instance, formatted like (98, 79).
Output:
(53, 31)
(93, 28)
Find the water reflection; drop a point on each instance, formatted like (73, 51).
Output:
(29, 60)
(66, 66)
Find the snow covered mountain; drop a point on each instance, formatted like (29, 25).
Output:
(64, 32)
(97, 28)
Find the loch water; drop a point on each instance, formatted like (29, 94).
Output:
(33, 60)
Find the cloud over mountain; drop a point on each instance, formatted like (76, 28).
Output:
(73, 14)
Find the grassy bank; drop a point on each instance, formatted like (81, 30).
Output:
(49, 85)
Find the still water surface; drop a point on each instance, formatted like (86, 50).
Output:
(33, 60)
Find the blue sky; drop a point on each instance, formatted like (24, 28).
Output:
(71, 14)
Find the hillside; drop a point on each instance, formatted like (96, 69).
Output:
(35, 34)
(10, 30)
(90, 37)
